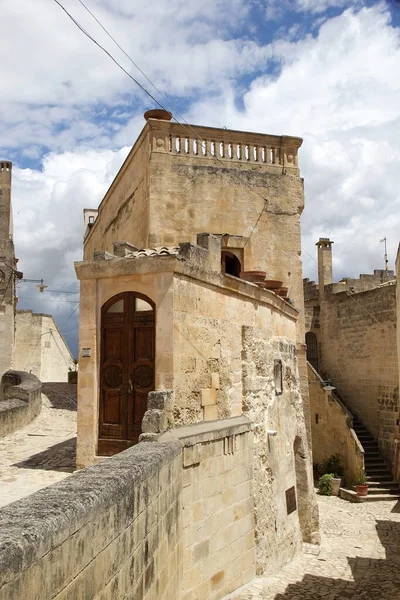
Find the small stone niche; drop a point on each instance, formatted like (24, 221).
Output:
(278, 378)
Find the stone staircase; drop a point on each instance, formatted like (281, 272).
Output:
(379, 477)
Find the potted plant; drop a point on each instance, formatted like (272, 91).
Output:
(361, 484)
(324, 484)
(333, 465)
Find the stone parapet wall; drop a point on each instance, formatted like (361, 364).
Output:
(109, 532)
(332, 430)
(20, 400)
(217, 504)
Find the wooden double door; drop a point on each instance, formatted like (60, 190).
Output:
(127, 369)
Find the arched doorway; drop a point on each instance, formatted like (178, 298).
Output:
(127, 369)
(312, 349)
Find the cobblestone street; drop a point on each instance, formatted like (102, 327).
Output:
(358, 558)
(43, 452)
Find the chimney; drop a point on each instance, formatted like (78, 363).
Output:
(6, 224)
(324, 246)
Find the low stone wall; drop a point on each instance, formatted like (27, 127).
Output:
(218, 514)
(20, 400)
(332, 429)
(171, 519)
(108, 532)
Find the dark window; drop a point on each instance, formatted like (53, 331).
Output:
(230, 264)
(312, 349)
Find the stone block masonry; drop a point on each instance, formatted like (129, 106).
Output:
(360, 357)
(109, 532)
(166, 520)
(217, 507)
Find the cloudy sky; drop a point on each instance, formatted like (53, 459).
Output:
(325, 70)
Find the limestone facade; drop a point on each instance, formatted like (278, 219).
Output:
(176, 183)
(353, 329)
(40, 347)
(224, 347)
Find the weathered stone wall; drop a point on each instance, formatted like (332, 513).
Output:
(40, 347)
(7, 271)
(173, 519)
(20, 400)
(272, 399)
(110, 532)
(218, 510)
(359, 355)
(208, 348)
(124, 212)
(332, 430)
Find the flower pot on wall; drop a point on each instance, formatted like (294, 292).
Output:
(253, 276)
(273, 284)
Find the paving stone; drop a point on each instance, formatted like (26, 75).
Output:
(44, 451)
(358, 558)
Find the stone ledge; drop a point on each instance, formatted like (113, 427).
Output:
(21, 400)
(209, 431)
(35, 525)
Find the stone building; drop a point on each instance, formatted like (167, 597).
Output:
(351, 341)
(40, 347)
(8, 265)
(170, 337)
(29, 342)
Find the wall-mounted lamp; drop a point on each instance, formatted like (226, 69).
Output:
(271, 432)
(329, 388)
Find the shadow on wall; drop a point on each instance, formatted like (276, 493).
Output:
(60, 457)
(61, 395)
(374, 578)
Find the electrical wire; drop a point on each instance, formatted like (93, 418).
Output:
(108, 54)
(48, 329)
(190, 130)
(44, 300)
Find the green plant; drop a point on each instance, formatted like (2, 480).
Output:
(324, 484)
(361, 478)
(334, 465)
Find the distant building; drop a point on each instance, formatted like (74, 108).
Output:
(28, 341)
(40, 347)
(351, 341)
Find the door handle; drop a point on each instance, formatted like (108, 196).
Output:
(130, 387)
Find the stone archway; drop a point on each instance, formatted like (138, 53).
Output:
(127, 369)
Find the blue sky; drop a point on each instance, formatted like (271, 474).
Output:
(326, 70)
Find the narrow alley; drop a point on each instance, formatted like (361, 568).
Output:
(358, 558)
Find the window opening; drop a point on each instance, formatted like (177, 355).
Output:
(230, 264)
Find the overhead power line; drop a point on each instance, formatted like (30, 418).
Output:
(188, 129)
(108, 54)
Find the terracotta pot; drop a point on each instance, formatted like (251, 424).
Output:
(282, 292)
(253, 276)
(362, 489)
(158, 113)
(273, 284)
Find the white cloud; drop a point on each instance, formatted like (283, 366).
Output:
(339, 90)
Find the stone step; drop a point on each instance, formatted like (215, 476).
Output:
(383, 490)
(386, 483)
(374, 462)
(379, 497)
